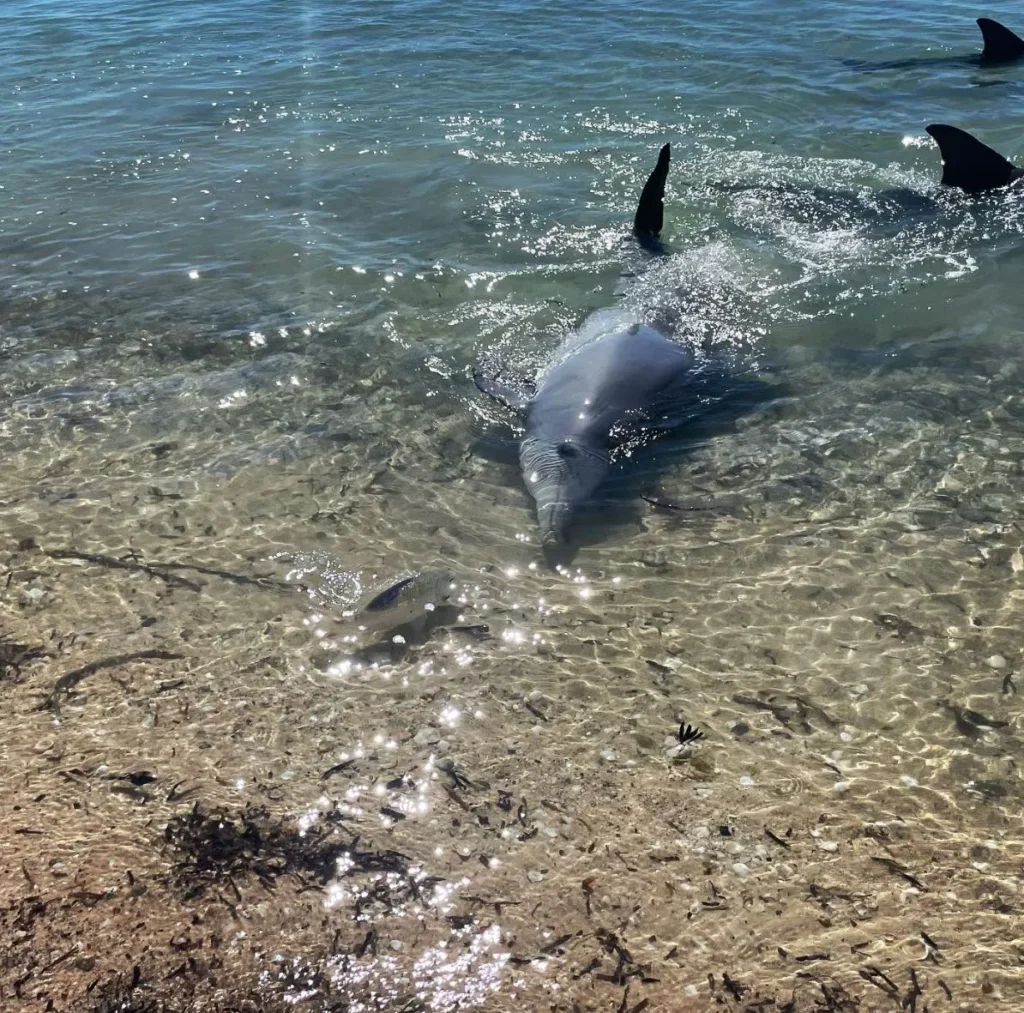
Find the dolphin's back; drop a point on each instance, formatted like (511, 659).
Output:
(605, 380)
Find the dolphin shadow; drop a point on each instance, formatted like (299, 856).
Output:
(918, 63)
(968, 166)
(1000, 47)
(823, 207)
(497, 443)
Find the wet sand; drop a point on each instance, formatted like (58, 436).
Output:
(208, 806)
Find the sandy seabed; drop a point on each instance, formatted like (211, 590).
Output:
(208, 805)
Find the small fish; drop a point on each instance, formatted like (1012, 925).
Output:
(406, 600)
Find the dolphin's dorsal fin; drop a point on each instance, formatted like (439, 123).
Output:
(1001, 45)
(967, 163)
(650, 212)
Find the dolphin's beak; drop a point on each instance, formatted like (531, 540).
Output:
(553, 521)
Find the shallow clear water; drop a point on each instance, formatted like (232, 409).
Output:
(249, 254)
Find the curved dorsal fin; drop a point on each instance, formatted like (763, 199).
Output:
(1001, 45)
(650, 212)
(967, 163)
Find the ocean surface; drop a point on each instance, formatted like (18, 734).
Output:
(250, 254)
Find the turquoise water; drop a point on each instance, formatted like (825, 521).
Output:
(459, 181)
(191, 191)
(249, 254)
(277, 149)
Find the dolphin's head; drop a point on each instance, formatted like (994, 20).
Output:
(561, 476)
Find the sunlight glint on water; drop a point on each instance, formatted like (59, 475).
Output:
(251, 254)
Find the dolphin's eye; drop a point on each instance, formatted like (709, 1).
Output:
(566, 450)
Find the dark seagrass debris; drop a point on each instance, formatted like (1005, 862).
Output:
(893, 866)
(14, 655)
(128, 563)
(67, 682)
(212, 847)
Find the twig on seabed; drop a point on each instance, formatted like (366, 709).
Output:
(113, 563)
(931, 948)
(158, 569)
(734, 987)
(881, 980)
(337, 768)
(235, 578)
(893, 866)
(67, 682)
(910, 999)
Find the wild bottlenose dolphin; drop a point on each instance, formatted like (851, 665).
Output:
(969, 164)
(1000, 46)
(616, 380)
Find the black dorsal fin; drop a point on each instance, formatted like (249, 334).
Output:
(969, 164)
(1001, 45)
(650, 212)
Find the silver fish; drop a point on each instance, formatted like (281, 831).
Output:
(407, 600)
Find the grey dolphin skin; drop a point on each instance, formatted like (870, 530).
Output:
(969, 164)
(565, 455)
(613, 378)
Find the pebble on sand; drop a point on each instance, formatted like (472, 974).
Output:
(427, 737)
